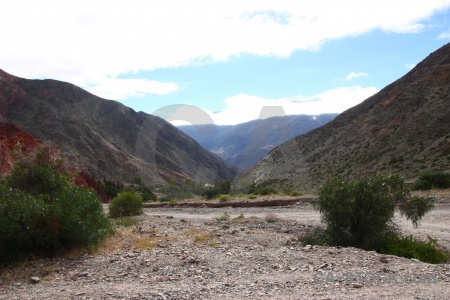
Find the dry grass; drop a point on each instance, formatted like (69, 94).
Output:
(271, 218)
(198, 236)
(244, 219)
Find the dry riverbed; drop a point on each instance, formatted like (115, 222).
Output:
(184, 253)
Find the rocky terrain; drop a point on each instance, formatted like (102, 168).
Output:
(404, 128)
(14, 141)
(245, 144)
(104, 137)
(185, 253)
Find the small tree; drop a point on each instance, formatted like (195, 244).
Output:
(126, 204)
(359, 213)
(220, 188)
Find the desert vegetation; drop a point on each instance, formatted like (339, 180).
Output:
(43, 213)
(433, 180)
(360, 213)
(125, 204)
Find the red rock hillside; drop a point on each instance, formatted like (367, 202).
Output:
(87, 181)
(16, 142)
(14, 139)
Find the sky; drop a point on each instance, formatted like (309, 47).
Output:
(222, 62)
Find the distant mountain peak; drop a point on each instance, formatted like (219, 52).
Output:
(244, 144)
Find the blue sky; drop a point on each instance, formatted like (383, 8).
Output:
(226, 58)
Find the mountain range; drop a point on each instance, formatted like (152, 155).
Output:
(404, 128)
(104, 137)
(243, 145)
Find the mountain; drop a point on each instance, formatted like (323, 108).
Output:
(104, 137)
(404, 128)
(14, 140)
(245, 144)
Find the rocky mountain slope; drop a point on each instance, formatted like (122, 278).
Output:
(104, 137)
(405, 128)
(14, 141)
(245, 144)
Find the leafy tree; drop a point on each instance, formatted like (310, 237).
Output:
(359, 213)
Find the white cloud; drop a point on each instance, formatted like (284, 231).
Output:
(410, 66)
(120, 89)
(243, 108)
(444, 35)
(85, 42)
(353, 75)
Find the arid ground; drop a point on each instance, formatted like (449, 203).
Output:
(185, 253)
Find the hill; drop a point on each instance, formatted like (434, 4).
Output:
(104, 137)
(404, 128)
(245, 144)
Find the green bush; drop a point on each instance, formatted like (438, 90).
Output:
(126, 204)
(224, 198)
(219, 188)
(410, 247)
(112, 189)
(38, 175)
(433, 180)
(41, 213)
(147, 194)
(359, 213)
(261, 190)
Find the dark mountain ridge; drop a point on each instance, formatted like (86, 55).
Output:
(245, 144)
(104, 137)
(404, 128)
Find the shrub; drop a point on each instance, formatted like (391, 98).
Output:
(410, 247)
(252, 196)
(112, 189)
(41, 213)
(224, 198)
(219, 188)
(224, 217)
(147, 194)
(433, 180)
(360, 213)
(41, 174)
(293, 193)
(271, 218)
(261, 190)
(126, 204)
(240, 217)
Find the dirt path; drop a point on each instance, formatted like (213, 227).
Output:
(435, 224)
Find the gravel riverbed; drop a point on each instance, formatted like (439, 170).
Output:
(184, 253)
